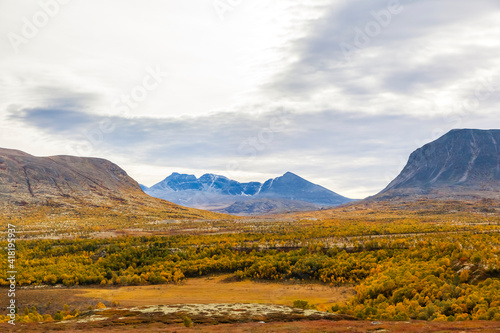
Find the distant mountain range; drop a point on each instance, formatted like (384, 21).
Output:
(214, 192)
(462, 164)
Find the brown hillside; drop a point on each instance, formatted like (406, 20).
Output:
(73, 183)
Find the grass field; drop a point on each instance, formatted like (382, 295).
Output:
(205, 290)
(217, 290)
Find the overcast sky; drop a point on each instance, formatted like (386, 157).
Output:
(339, 92)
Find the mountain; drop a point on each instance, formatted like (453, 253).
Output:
(264, 206)
(462, 164)
(210, 183)
(24, 177)
(72, 182)
(217, 193)
(292, 187)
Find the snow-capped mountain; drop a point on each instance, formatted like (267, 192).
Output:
(217, 192)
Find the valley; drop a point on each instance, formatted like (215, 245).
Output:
(101, 257)
(327, 262)
(230, 166)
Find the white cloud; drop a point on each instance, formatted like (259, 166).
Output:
(415, 79)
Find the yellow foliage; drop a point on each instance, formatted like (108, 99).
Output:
(100, 306)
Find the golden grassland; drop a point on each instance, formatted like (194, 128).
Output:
(48, 222)
(218, 289)
(70, 220)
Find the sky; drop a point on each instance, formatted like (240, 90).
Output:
(339, 92)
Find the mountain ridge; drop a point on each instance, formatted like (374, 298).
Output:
(73, 183)
(463, 163)
(216, 192)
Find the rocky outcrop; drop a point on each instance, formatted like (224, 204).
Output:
(463, 163)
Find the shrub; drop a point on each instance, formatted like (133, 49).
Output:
(100, 306)
(187, 321)
(301, 304)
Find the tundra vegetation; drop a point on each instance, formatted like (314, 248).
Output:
(429, 261)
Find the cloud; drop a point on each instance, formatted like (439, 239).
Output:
(329, 90)
(392, 56)
(352, 150)
(53, 121)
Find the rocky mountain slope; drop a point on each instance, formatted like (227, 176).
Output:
(71, 183)
(462, 164)
(28, 178)
(286, 193)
